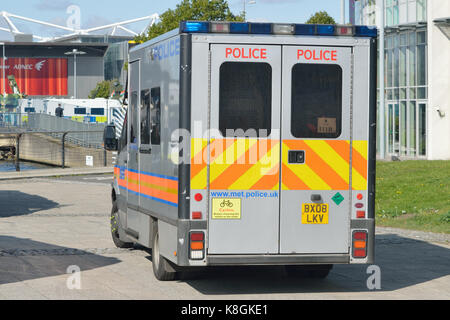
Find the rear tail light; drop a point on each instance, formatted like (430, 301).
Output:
(197, 245)
(196, 215)
(359, 247)
(360, 214)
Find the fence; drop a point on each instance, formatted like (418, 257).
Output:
(52, 140)
(89, 135)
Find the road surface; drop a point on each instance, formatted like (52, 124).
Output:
(48, 225)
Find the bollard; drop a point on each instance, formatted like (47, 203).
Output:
(18, 152)
(63, 154)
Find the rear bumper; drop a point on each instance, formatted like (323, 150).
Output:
(220, 260)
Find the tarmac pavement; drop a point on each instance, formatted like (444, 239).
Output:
(48, 225)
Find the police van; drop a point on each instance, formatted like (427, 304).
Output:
(249, 144)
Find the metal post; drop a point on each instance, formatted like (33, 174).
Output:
(342, 11)
(3, 72)
(381, 65)
(105, 159)
(18, 152)
(75, 75)
(63, 153)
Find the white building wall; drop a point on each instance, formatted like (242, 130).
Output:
(438, 139)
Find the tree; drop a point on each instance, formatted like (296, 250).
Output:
(321, 17)
(201, 10)
(105, 88)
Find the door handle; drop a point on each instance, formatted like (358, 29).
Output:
(296, 156)
(145, 150)
(316, 197)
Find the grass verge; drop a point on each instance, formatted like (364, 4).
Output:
(413, 195)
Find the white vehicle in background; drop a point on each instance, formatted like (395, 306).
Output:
(279, 164)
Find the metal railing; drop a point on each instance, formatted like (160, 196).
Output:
(88, 135)
(79, 134)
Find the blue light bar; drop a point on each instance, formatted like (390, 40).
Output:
(239, 27)
(365, 31)
(261, 28)
(305, 29)
(268, 28)
(325, 30)
(194, 27)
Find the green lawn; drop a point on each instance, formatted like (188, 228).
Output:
(413, 195)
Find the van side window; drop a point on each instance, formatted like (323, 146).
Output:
(133, 115)
(316, 110)
(145, 116)
(123, 135)
(156, 115)
(245, 98)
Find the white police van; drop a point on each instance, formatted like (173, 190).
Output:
(249, 144)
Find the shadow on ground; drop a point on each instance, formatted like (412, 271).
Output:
(403, 262)
(39, 260)
(16, 203)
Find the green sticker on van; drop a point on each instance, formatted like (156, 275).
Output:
(338, 198)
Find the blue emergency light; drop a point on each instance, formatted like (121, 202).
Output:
(277, 28)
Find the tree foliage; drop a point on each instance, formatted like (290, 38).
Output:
(105, 88)
(201, 10)
(321, 17)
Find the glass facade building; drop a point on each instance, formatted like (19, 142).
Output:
(406, 80)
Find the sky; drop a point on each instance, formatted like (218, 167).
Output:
(100, 12)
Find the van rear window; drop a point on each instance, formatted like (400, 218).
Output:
(316, 110)
(245, 98)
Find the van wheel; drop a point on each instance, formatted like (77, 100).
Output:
(309, 271)
(115, 226)
(160, 264)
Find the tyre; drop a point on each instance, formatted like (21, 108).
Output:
(115, 228)
(160, 264)
(309, 271)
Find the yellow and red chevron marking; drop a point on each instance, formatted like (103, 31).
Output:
(253, 164)
(236, 164)
(327, 165)
(199, 158)
(359, 164)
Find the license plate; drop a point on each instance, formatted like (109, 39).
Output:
(315, 213)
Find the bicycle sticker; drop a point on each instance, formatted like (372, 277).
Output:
(226, 208)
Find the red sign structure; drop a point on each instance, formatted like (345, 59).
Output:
(37, 76)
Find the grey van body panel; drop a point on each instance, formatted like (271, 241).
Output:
(185, 82)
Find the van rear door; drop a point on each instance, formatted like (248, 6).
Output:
(244, 162)
(315, 166)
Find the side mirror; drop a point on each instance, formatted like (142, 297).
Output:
(109, 138)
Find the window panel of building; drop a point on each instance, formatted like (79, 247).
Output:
(412, 128)
(422, 129)
(403, 132)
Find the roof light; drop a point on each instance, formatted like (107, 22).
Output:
(305, 29)
(283, 28)
(261, 28)
(325, 30)
(194, 26)
(239, 27)
(220, 27)
(365, 31)
(345, 30)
